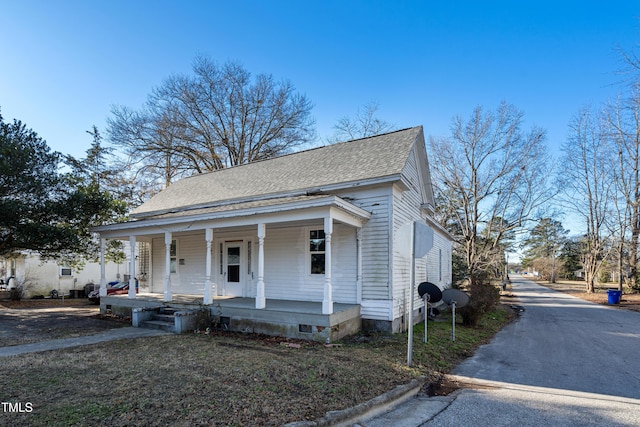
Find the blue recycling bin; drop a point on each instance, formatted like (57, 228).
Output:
(614, 296)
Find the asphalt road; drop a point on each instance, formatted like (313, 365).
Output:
(565, 343)
(564, 362)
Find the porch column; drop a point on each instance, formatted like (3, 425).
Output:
(167, 264)
(359, 265)
(327, 302)
(103, 276)
(261, 301)
(208, 298)
(132, 267)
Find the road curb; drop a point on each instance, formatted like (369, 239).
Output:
(478, 383)
(369, 409)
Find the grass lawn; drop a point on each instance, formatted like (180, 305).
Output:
(225, 379)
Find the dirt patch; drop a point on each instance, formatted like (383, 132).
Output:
(443, 386)
(29, 321)
(629, 301)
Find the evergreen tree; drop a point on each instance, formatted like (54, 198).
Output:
(545, 241)
(42, 209)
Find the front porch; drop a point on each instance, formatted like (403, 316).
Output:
(293, 319)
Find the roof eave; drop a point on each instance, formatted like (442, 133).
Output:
(356, 212)
(300, 192)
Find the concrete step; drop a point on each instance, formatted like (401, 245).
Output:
(158, 324)
(168, 310)
(164, 317)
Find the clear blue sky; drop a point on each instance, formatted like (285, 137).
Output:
(65, 63)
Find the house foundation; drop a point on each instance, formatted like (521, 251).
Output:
(292, 319)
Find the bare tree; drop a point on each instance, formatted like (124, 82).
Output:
(623, 129)
(587, 184)
(630, 66)
(150, 142)
(491, 177)
(218, 117)
(364, 124)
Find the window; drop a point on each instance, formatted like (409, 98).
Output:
(316, 249)
(65, 272)
(233, 264)
(221, 260)
(173, 255)
(144, 260)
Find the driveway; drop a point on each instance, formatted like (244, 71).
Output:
(565, 343)
(565, 361)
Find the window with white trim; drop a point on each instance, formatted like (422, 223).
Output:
(317, 251)
(173, 257)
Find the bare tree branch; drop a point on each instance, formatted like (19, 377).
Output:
(364, 124)
(491, 178)
(217, 117)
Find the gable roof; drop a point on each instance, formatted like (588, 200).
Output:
(334, 165)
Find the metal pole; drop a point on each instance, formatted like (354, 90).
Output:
(426, 314)
(453, 322)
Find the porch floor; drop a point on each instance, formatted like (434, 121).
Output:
(291, 306)
(279, 317)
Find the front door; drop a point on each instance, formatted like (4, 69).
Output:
(233, 268)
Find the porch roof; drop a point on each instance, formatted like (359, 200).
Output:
(276, 210)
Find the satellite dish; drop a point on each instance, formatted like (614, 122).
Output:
(451, 296)
(454, 298)
(428, 288)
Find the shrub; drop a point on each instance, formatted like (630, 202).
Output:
(483, 297)
(19, 287)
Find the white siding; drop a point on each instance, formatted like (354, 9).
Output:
(189, 278)
(157, 265)
(287, 274)
(287, 261)
(375, 309)
(439, 261)
(344, 264)
(376, 248)
(45, 275)
(191, 265)
(406, 208)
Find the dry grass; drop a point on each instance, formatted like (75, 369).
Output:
(193, 380)
(629, 301)
(225, 379)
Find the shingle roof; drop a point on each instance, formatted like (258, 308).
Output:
(239, 206)
(346, 162)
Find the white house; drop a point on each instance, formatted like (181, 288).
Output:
(44, 276)
(310, 233)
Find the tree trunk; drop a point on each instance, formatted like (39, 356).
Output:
(633, 256)
(620, 264)
(590, 271)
